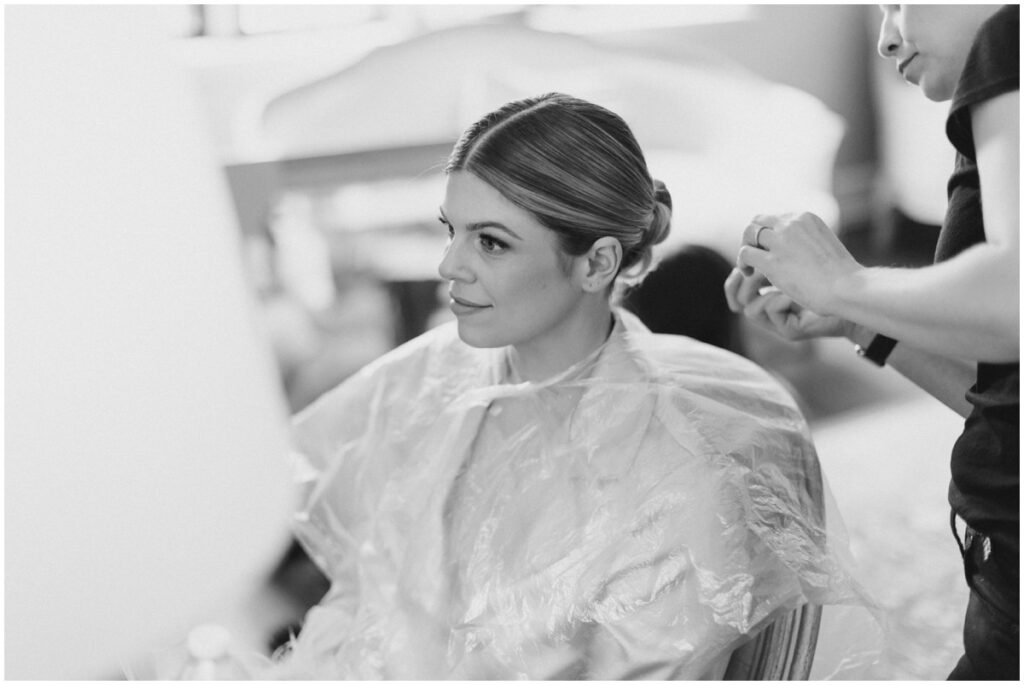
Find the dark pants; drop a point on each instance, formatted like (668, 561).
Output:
(991, 626)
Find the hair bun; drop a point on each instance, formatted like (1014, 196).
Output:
(661, 194)
(657, 231)
(661, 223)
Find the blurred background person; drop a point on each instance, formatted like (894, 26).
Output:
(692, 273)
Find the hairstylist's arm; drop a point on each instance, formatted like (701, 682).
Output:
(966, 307)
(944, 378)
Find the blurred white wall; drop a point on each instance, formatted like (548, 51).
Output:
(146, 484)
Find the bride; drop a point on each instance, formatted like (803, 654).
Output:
(542, 488)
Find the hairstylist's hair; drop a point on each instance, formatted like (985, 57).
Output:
(577, 168)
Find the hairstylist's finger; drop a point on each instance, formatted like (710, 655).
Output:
(778, 307)
(747, 238)
(740, 289)
(751, 233)
(764, 237)
(750, 258)
(778, 313)
(756, 233)
(755, 311)
(769, 220)
(751, 287)
(741, 267)
(732, 285)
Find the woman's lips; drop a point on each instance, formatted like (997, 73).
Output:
(461, 307)
(903, 65)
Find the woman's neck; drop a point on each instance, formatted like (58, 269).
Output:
(572, 341)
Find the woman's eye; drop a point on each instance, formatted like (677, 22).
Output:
(491, 245)
(448, 227)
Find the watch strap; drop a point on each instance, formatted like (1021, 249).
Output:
(878, 349)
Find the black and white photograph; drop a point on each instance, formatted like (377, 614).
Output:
(478, 341)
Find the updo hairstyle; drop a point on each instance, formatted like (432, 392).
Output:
(577, 168)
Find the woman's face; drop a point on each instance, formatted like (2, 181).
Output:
(508, 281)
(931, 43)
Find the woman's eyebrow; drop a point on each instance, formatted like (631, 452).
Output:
(493, 224)
(479, 225)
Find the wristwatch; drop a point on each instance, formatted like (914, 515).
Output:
(878, 350)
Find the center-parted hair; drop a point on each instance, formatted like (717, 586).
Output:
(576, 167)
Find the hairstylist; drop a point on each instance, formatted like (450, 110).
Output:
(953, 328)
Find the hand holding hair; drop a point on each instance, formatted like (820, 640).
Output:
(773, 310)
(799, 255)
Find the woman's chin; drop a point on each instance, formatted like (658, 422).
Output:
(474, 336)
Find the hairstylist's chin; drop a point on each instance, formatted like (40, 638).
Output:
(935, 88)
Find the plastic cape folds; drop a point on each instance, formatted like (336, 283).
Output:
(635, 516)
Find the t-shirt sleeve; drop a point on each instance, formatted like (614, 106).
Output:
(992, 68)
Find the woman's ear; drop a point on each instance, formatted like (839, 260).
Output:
(600, 264)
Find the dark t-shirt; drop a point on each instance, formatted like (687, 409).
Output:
(985, 488)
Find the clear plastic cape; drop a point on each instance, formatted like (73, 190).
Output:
(638, 515)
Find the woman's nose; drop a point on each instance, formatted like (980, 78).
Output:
(889, 38)
(452, 266)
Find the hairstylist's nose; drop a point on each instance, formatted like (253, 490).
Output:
(889, 38)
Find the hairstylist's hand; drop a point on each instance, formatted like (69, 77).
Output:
(775, 311)
(799, 255)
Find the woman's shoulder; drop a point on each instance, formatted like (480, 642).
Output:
(679, 357)
(691, 364)
(401, 386)
(708, 398)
